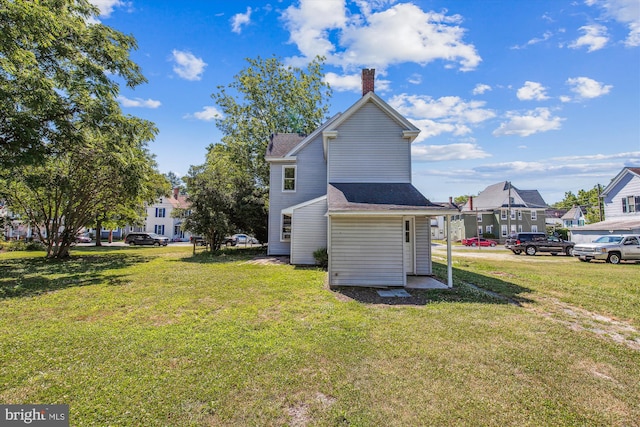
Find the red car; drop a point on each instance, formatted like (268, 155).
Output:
(473, 241)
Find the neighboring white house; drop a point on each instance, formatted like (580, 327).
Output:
(347, 188)
(621, 199)
(574, 217)
(160, 218)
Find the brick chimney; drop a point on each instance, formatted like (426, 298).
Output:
(176, 192)
(368, 78)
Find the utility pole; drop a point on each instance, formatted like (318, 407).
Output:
(509, 210)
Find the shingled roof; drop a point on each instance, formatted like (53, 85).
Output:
(281, 143)
(497, 196)
(378, 196)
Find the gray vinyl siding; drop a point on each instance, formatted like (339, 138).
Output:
(423, 245)
(369, 148)
(629, 185)
(366, 251)
(311, 182)
(308, 232)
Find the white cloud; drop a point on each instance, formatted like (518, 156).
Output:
(363, 39)
(588, 88)
(626, 12)
(353, 82)
(595, 37)
(532, 122)
(532, 91)
(187, 65)
(546, 36)
(139, 102)
(415, 79)
(437, 153)
(448, 114)
(480, 89)
(239, 20)
(107, 6)
(208, 113)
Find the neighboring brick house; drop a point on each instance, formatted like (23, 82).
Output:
(499, 210)
(347, 187)
(621, 199)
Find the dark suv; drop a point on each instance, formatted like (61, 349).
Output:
(134, 239)
(531, 243)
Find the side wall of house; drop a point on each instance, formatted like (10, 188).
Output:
(423, 245)
(366, 251)
(629, 185)
(369, 148)
(311, 182)
(308, 232)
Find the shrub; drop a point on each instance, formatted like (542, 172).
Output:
(35, 246)
(322, 257)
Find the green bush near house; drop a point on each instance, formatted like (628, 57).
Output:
(322, 257)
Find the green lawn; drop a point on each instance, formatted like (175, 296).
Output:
(154, 336)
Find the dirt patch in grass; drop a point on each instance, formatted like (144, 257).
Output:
(269, 260)
(579, 319)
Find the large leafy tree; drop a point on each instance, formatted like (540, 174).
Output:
(268, 97)
(63, 194)
(223, 199)
(586, 198)
(57, 76)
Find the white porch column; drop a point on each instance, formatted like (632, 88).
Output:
(449, 263)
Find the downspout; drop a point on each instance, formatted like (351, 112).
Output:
(449, 263)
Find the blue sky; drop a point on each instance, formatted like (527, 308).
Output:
(545, 94)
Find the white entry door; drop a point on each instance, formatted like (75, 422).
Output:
(408, 248)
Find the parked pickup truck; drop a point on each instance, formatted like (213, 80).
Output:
(612, 248)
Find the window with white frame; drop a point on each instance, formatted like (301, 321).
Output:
(285, 235)
(161, 212)
(534, 215)
(158, 229)
(534, 228)
(519, 228)
(480, 231)
(631, 204)
(503, 214)
(513, 214)
(479, 217)
(288, 178)
(513, 228)
(503, 230)
(489, 229)
(520, 215)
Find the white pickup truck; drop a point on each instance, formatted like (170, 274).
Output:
(613, 249)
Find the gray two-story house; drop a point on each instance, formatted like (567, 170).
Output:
(499, 210)
(347, 188)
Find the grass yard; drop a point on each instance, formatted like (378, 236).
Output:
(156, 337)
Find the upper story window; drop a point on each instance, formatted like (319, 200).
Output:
(631, 204)
(513, 214)
(479, 217)
(288, 178)
(534, 215)
(503, 214)
(161, 212)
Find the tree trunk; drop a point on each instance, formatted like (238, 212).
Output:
(98, 232)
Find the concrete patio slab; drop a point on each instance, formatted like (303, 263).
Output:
(424, 282)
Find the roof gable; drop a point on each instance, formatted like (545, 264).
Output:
(497, 195)
(621, 175)
(375, 99)
(410, 131)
